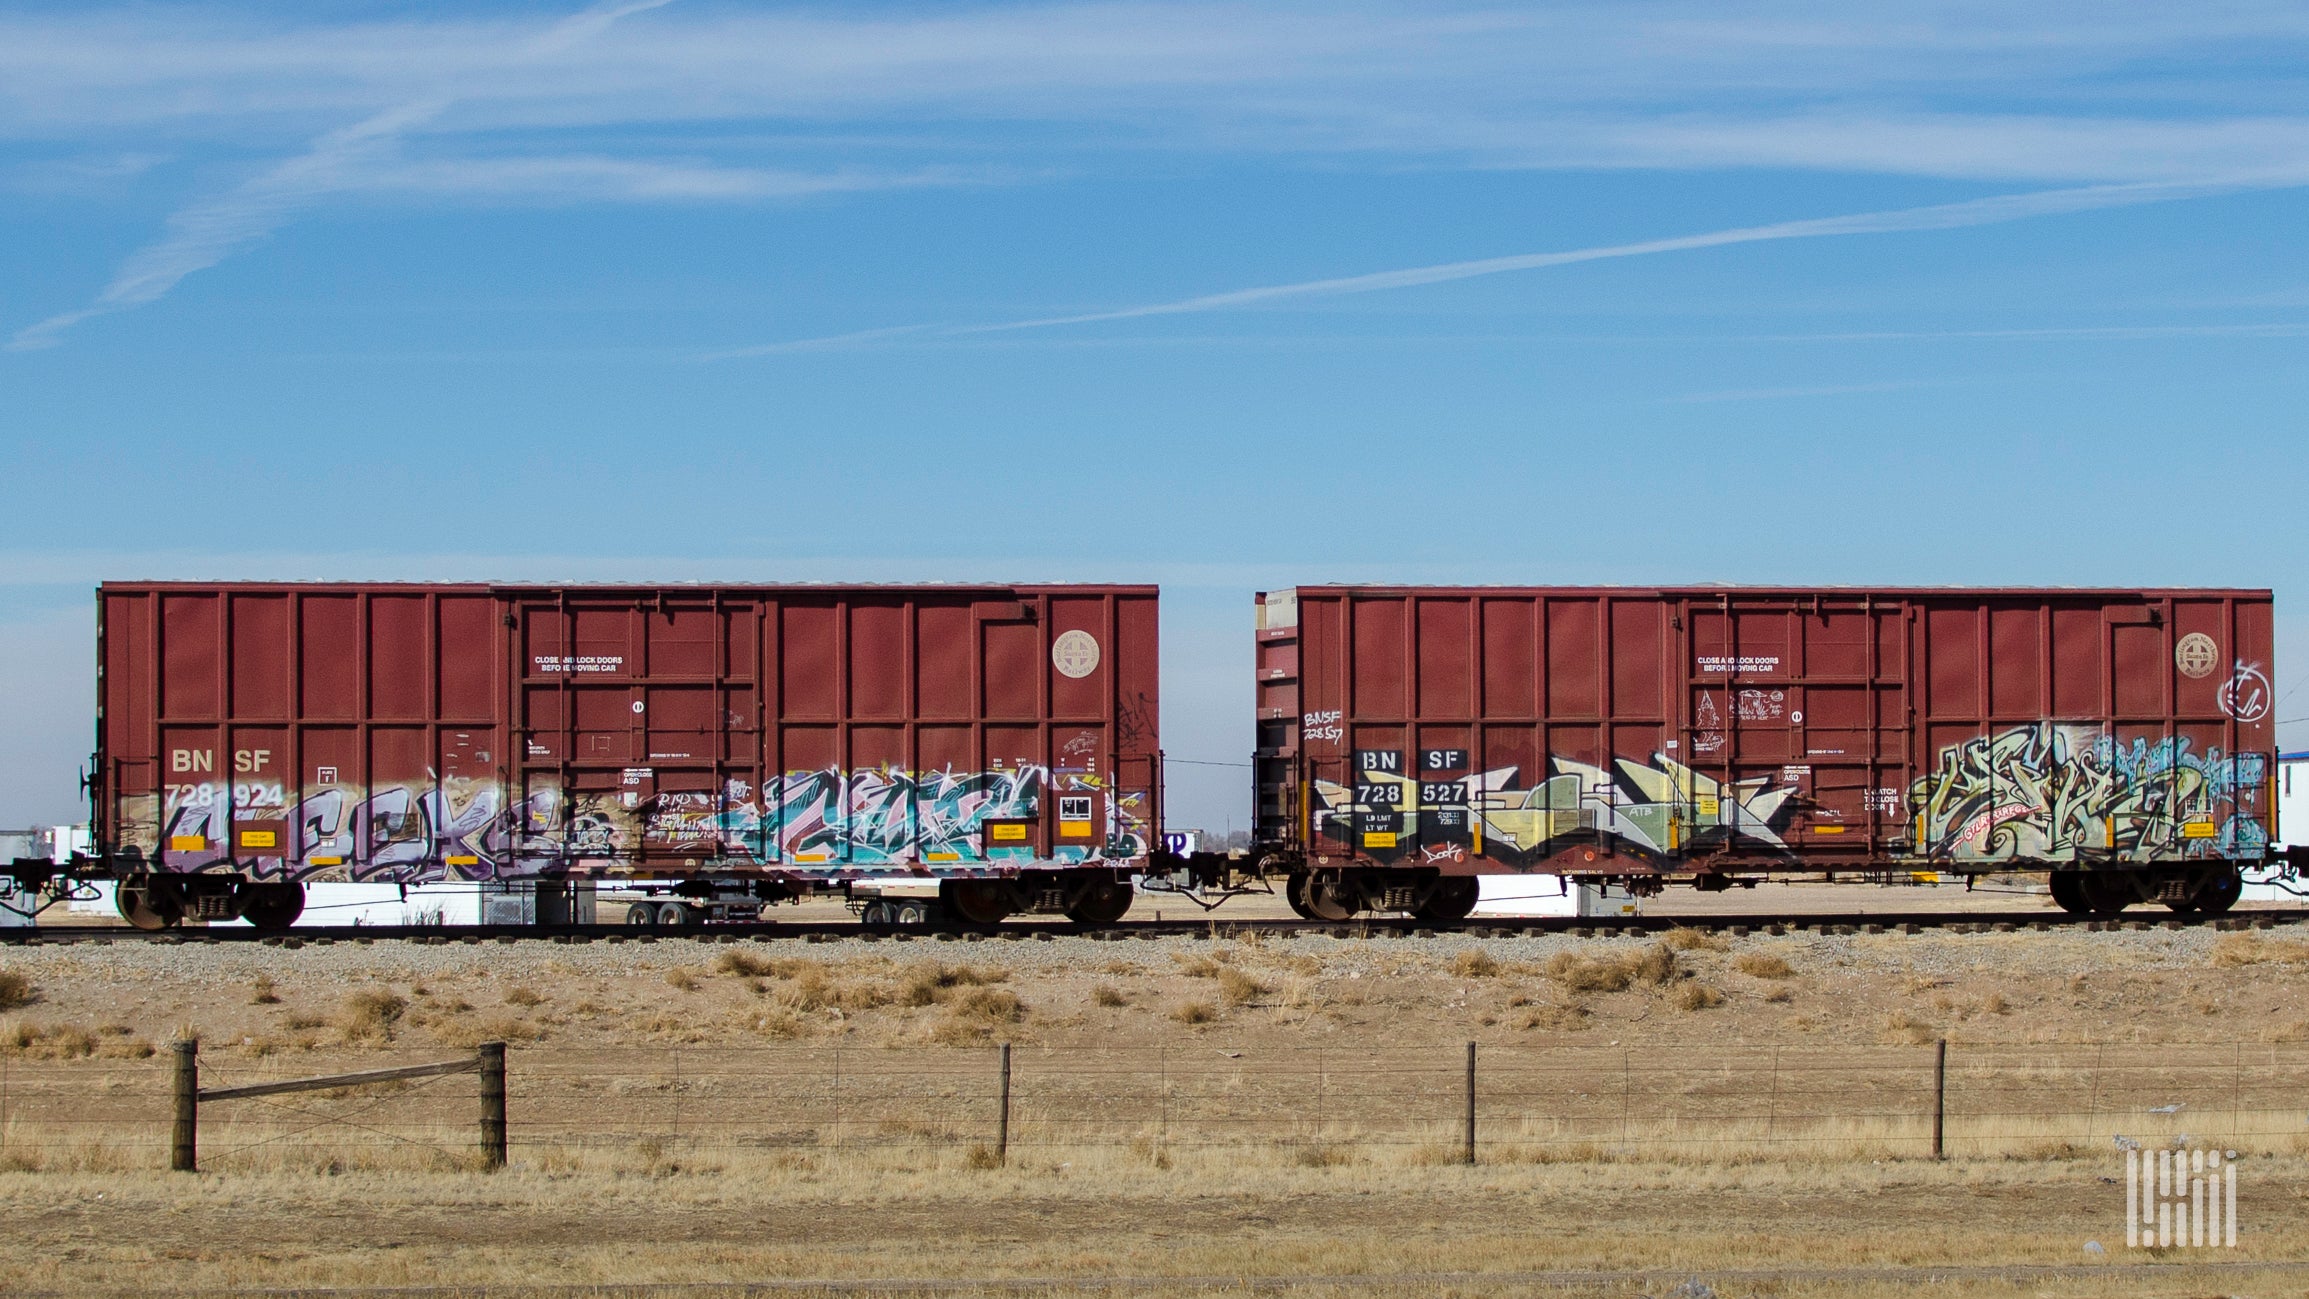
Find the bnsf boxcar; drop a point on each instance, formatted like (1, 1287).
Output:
(1410, 739)
(255, 736)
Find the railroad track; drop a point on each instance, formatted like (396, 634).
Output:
(1205, 928)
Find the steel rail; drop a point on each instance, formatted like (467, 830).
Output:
(1205, 927)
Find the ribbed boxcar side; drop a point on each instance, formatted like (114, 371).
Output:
(838, 734)
(284, 731)
(1643, 733)
(288, 732)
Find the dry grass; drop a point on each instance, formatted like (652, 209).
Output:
(682, 978)
(1614, 971)
(47, 1041)
(934, 983)
(263, 992)
(1293, 1217)
(1569, 1018)
(1695, 996)
(1106, 994)
(1194, 1012)
(745, 965)
(1198, 965)
(372, 1015)
(523, 995)
(1762, 965)
(16, 990)
(1902, 1029)
(1474, 963)
(1682, 939)
(816, 987)
(1237, 988)
(2252, 949)
(976, 1014)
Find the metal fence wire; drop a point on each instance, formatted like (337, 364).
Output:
(1527, 1103)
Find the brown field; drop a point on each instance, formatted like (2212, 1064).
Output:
(1187, 1116)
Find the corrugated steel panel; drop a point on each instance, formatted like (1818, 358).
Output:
(1616, 731)
(412, 732)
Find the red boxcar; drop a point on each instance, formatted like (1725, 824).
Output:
(1408, 737)
(802, 735)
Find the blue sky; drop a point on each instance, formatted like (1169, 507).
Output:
(1942, 294)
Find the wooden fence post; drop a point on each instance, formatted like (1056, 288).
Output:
(1471, 1102)
(493, 1105)
(1939, 1098)
(184, 1138)
(1002, 1113)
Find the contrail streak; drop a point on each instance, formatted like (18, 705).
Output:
(1939, 216)
(206, 233)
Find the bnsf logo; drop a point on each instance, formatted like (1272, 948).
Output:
(192, 761)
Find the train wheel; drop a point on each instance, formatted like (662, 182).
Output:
(1453, 897)
(147, 904)
(983, 903)
(2218, 892)
(641, 915)
(2068, 892)
(1327, 898)
(273, 906)
(1100, 903)
(2107, 893)
(1295, 893)
(675, 915)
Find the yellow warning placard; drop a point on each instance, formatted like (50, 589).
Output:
(259, 839)
(187, 842)
(1379, 839)
(2199, 830)
(1012, 832)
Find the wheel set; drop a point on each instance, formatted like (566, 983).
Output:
(1334, 896)
(2211, 891)
(156, 902)
(662, 915)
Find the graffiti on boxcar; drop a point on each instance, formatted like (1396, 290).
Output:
(1660, 808)
(885, 816)
(457, 827)
(399, 826)
(2055, 792)
(2245, 696)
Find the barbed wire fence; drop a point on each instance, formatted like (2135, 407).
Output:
(664, 1106)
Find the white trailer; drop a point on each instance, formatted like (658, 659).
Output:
(1550, 895)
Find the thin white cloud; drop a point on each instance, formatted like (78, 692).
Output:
(598, 179)
(1939, 216)
(2101, 92)
(206, 233)
(2113, 91)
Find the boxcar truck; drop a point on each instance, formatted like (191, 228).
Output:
(994, 747)
(1411, 739)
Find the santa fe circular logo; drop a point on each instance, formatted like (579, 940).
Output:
(1075, 654)
(2196, 655)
